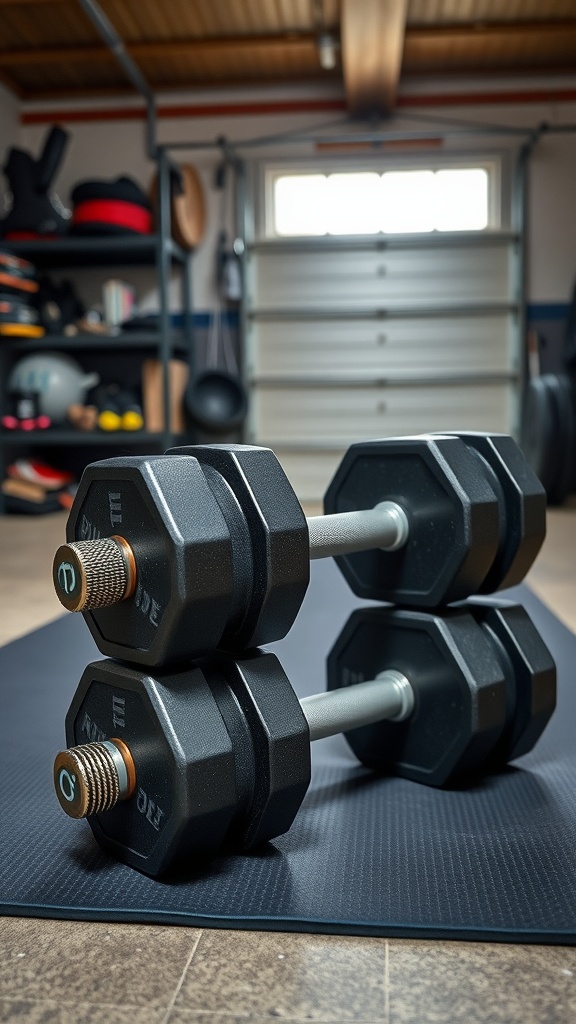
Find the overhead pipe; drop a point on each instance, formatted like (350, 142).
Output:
(113, 41)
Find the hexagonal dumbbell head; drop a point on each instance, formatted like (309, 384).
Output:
(220, 756)
(271, 526)
(522, 504)
(218, 553)
(458, 683)
(529, 671)
(453, 518)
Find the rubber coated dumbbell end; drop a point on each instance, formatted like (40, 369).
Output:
(93, 777)
(94, 573)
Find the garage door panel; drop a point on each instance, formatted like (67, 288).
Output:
(482, 344)
(353, 279)
(313, 415)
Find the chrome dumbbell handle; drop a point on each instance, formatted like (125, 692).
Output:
(388, 696)
(93, 777)
(100, 573)
(384, 526)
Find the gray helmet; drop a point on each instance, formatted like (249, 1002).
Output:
(58, 380)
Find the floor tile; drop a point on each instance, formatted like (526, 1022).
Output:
(481, 983)
(192, 1017)
(23, 1011)
(294, 976)
(27, 547)
(92, 962)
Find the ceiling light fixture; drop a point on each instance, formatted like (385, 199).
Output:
(327, 46)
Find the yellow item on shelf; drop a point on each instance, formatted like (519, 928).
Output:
(108, 420)
(22, 330)
(132, 420)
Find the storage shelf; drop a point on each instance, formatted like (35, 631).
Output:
(93, 342)
(120, 438)
(97, 251)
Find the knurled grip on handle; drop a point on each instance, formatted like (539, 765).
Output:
(94, 573)
(384, 526)
(93, 777)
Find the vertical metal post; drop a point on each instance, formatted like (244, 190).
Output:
(240, 213)
(163, 261)
(520, 215)
(188, 315)
(520, 211)
(151, 124)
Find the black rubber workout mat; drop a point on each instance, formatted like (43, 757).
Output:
(366, 855)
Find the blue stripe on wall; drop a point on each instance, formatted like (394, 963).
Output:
(203, 318)
(546, 311)
(557, 311)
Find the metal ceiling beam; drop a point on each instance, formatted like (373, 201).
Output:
(372, 40)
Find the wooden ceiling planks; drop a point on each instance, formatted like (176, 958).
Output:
(491, 48)
(372, 39)
(470, 11)
(47, 46)
(49, 24)
(69, 80)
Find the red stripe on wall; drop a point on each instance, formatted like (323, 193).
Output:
(481, 99)
(189, 110)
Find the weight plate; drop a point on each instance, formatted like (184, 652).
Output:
(530, 675)
(522, 506)
(453, 514)
(183, 778)
(561, 397)
(538, 430)
(165, 510)
(458, 684)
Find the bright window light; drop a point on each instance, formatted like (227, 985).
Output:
(396, 202)
(406, 201)
(461, 200)
(300, 206)
(352, 202)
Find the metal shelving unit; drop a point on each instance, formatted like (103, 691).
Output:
(96, 342)
(97, 251)
(159, 251)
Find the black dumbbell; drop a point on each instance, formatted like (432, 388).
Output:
(525, 663)
(172, 556)
(170, 768)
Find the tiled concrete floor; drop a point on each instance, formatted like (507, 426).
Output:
(67, 972)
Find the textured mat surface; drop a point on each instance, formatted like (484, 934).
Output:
(365, 855)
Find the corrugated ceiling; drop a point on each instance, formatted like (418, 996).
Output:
(49, 47)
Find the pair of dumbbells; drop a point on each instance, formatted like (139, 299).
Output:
(220, 752)
(174, 766)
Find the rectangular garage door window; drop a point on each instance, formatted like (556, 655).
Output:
(368, 203)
